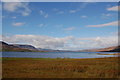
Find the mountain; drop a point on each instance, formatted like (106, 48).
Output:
(116, 49)
(30, 47)
(25, 48)
(7, 47)
(18, 47)
(52, 50)
(109, 49)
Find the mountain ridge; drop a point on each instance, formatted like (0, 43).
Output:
(29, 48)
(108, 49)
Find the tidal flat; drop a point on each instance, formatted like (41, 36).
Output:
(60, 67)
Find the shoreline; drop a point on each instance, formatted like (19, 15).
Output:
(17, 58)
(108, 54)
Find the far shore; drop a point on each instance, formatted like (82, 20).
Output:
(109, 54)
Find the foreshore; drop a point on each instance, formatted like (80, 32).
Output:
(60, 68)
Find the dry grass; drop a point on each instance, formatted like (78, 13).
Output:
(60, 68)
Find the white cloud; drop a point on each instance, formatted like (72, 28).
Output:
(58, 11)
(11, 6)
(0, 6)
(42, 25)
(16, 7)
(84, 4)
(65, 43)
(55, 9)
(69, 28)
(114, 23)
(92, 1)
(41, 12)
(14, 17)
(73, 11)
(83, 16)
(107, 15)
(59, 25)
(12, 0)
(3, 16)
(114, 8)
(38, 41)
(44, 14)
(18, 24)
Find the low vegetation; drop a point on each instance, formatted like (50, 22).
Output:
(60, 68)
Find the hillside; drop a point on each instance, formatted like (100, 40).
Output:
(109, 49)
(30, 47)
(7, 47)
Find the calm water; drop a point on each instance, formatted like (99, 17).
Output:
(56, 54)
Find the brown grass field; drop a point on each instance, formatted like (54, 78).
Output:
(60, 68)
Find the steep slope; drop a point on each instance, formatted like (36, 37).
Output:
(6, 47)
(30, 47)
(116, 49)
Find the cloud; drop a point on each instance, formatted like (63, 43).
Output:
(39, 41)
(3, 17)
(114, 23)
(18, 24)
(85, 4)
(108, 15)
(59, 25)
(82, 6)
(55, 9)
(11, 6)
(0, 6)
(12, 0)
(42, 25)
(46, 16)
(73, 11)
(42, 13)
(17, 7)
(69, 28)
(58, 11)
(83, 16)
(100, 42)
(68, 42)
(114, 8)
(14, 17)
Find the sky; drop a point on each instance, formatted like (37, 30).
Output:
(61, 25)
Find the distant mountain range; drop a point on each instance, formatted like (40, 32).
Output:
(24, 48)
(109, 49)
(29, 48)
(17, 47)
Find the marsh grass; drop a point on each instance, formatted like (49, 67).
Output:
(60, 68)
